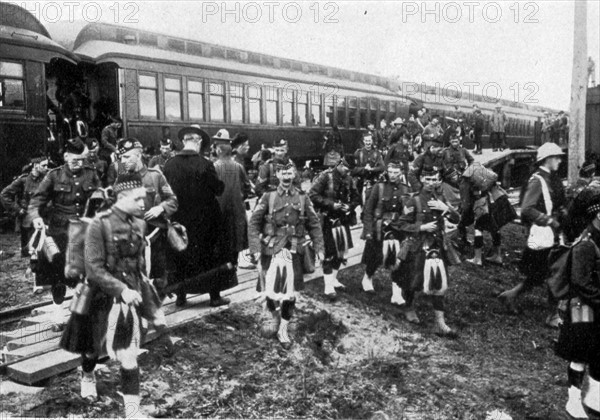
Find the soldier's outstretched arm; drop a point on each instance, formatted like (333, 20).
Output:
(95, 261)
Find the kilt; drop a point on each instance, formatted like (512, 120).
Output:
(579, 342)
(534, 265)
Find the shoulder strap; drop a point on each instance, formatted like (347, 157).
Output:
(271, 201)
(546, 194)
(302, 204)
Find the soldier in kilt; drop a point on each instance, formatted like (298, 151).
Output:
(579, 337)
(117, 293)
(277, 233)
(335, 198)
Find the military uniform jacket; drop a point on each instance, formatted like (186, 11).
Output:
(331, 187)
(362, 157)
(269, 231)
(432, 132)
(384, 208)
(114, 252)
(158, 191)
(16, 196)
(267, 179)
(109, 138)
(416, 213)
(68, 193)
(159, 161)
(458, 158)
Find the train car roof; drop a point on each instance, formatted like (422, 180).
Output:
(126, 55)
(22, 36)
(120, 42)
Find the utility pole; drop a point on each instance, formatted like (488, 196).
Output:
(579, 81)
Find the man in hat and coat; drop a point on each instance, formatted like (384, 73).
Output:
(498, 123)
(61, 196)
(335, 197)
(161, 204)
(277, 233)
(15, 198)
(240, 145)
(197, 186)
(119, 293)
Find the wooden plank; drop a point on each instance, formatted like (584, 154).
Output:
(38, 329)
(44, 346)
(32, 339)
(45, 366)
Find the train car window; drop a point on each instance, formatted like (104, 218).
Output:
(173, 98)
(148, 94)
(196, 99)
(315, 109)
(302, 108)
(391, 115)
(236, 102)
(254, 100)
(272, 102)
(364, 112)
(288, 113)
(341, 111)
(329, 111)
(373, 106)
(12, 85)
(217, 101)
(352, 107)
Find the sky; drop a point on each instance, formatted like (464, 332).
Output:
(517, 50)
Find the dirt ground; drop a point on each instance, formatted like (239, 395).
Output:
(355, 358)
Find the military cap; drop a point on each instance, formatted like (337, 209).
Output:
(75, 146)
(38, 159)
(282, 164)
(114, 119)
(280, 143)
(367, 134)
(429, 171)
(194, 129)
(222, 136)
(92, 143)
(166, 142)
(397, 164)
(239, 139)
(125, 145)
(398, 121)
(587, 170)
(128, 181)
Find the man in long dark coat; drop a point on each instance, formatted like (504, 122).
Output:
(237, 188)
(194, 180)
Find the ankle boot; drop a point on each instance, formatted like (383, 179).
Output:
(367, 284)
(441, 328)
(336, 282)
(282, 334)
(476, 258)
(88, 385)
(496, 257)
(329, 281)
(397, 298)
(57, 317)
(270, 325)
(591, 398)
(411, 315)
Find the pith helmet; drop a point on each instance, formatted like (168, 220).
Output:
(547, 150)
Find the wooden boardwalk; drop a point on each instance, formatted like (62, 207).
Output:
(33, 347)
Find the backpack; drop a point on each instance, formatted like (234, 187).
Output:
(560, 262)
(483, 178)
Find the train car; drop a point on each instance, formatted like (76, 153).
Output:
(524, 122)
(155, 81)
(32, 65)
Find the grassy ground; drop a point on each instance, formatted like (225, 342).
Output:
(355, 358)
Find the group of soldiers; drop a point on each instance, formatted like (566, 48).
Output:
(415, 210)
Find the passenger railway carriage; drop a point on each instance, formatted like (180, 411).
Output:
(155, 81)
